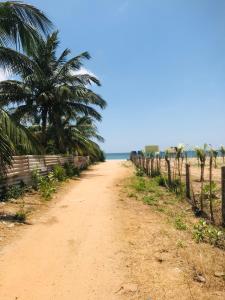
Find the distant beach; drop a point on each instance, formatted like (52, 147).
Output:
(117, 156)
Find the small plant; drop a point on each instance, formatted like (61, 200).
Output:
(20, 216)
(206, 190)
(69, 169)
(206, 233)
(161, 181)
(15, 191)
(150, 200)
(139, 172)
(179, 224)
(181, 244)
(35, 178)
(47, 186)
(59, 173)
(140, 185)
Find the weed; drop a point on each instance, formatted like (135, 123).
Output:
(206, 233)
(139, 172)
(35, 178)
(140, 185)
(150, 200)
(20, 216)
(181, 244)
(59, 173)
(161, 181)
(47, 186)
(206, 190)
(179, 224)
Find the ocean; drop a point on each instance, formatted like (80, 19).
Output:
(117, 156)
(126, 155)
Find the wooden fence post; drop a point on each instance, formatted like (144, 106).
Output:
(223, 194)
(169, 172)
(188, 187)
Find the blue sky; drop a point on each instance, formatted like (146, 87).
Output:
(161, 64)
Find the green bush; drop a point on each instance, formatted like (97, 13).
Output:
(35, 178)
(69, 169)
(47, 186)
(206, 190)
(204, 232)
(140, 185)
(150, 200)
(161, 181)
(15, 191)
(139, 172)
(59, 173)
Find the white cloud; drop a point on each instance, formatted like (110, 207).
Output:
(84, 71)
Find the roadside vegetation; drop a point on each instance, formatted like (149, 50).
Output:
(152, 192)
(44, 187)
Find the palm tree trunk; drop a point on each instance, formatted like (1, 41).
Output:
(44, 126)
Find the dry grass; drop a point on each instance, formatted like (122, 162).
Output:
(162, 258)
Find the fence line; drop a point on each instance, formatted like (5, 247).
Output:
(22, 167)
(153, 166)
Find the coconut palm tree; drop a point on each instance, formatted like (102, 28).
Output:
(21, 26)
(54, 90)
(12, 136)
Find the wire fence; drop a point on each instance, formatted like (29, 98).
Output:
(203, 186)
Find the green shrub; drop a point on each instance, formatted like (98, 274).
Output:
(35, 178)
(161, 181)
(150, 200)
(47, 185)
(204, 232)
(71, 170)
(59, 173)
(15, 191)
(139, 172)
(206, 190)
(140, 185)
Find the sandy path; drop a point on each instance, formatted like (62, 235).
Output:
(72, 252)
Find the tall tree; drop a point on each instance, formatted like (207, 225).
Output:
(52, 89)
(21, 26)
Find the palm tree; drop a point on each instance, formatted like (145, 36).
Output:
(80, 137)
(21, 26)
(202, 155)
(51, 89)
(12, 136)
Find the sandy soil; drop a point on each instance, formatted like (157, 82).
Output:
(97, 243)
(73, 251)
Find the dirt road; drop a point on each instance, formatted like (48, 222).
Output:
(72, 252)
(98, 241)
